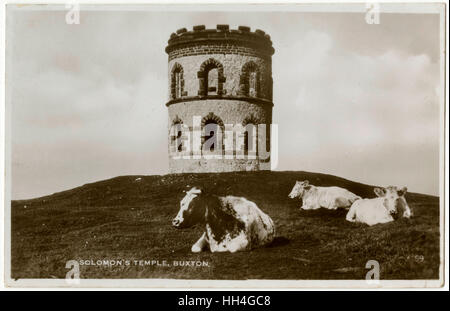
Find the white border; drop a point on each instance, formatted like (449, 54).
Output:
(166, 284)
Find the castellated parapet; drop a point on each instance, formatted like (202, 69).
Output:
(220, 99)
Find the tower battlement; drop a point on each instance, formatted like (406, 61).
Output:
(242, 36)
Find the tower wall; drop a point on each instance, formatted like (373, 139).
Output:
(239, 93)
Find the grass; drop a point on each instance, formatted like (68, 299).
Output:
(130, 218)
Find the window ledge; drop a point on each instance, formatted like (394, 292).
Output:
(253, 100)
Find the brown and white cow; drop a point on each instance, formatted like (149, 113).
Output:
(231, 223)
(389, 206)
(327, 197)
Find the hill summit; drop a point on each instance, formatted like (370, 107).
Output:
(129, 218)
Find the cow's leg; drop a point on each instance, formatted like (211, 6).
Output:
(310, 205)
(233, 248)
(237, 246)
(351, 215)
(335, 204)
(305, 204)
(239, 243)
(200, 244)
(342, 202)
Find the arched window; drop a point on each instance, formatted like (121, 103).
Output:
(253, 84)
(211, 130)
(250, 128)
(211, 78)
(212, 138)
(177, 82)
(250, 80)
(176, 135)
(249, 134)
(179, 133)
(212, 81)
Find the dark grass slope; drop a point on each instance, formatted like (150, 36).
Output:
(130, 218)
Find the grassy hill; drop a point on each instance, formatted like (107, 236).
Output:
(129, 218)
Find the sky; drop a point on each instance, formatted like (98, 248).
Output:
(351, 99)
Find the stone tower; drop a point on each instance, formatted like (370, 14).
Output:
(220, 99)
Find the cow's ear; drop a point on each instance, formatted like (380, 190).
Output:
(402, 191)
(380, 192)
(306, 182)
(307, 187)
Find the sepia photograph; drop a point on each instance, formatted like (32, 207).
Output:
(225, 145)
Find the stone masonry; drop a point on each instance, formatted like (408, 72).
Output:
(220, 82)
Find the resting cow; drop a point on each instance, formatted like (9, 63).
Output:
(389, 206)
(327, 197)
(231, 223)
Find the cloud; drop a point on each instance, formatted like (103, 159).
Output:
(357, 108)
(350, 99)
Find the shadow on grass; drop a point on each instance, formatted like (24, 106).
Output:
(324, 213)
(278, 241)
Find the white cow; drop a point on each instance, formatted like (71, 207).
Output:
(327, 197)
(231, 223)
(389, 206)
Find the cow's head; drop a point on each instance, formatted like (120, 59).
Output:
(188, 215)
(394, 201)
(299, 189)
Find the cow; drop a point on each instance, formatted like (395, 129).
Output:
(231, 223)
(327, 197)
(388, 206)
